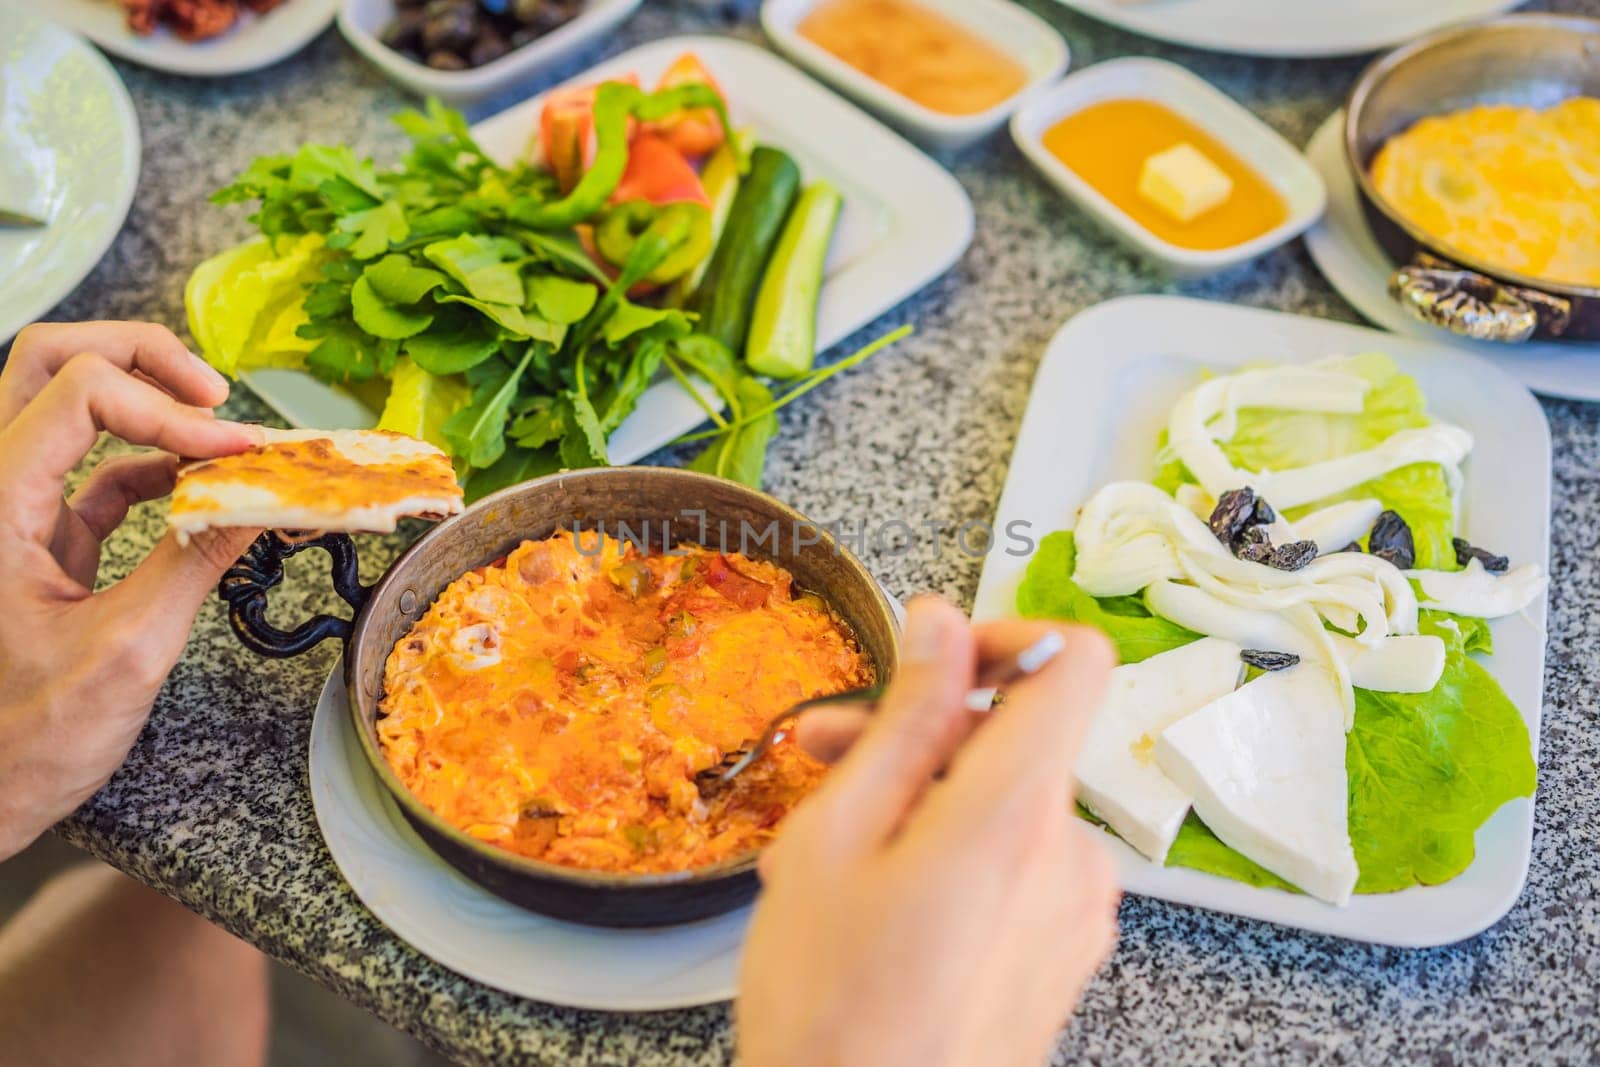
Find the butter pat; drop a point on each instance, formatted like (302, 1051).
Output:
(1183, 182)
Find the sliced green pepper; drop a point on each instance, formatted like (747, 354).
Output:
(614, 104)
(686, 223)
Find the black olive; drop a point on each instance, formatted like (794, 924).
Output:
(1293, 556)
(1255, 550)
(489, 47)
(541, 16)
(1235, 510)
(1391, 540)
(442, 60)
(1466, 552)
(1252, 535)
(404, 32)
(449, 25)
(1353, 546)
(1269, 661)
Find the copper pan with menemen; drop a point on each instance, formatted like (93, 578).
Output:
(1475, 150)
(736, 608)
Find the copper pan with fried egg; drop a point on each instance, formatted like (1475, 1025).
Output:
(674, 505)
(1527, 60)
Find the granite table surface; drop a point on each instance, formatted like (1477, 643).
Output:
(213, 806)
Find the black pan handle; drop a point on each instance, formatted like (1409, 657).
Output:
(245, 585)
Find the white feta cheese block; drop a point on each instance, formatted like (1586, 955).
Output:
(1264, 768)
(1118, 779)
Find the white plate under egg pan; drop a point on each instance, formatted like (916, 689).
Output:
(1251, 140)
(1020, 34)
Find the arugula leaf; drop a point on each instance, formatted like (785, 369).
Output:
(400, 281)
(712, 360)
(584, 442)
(541, 421)
(741, 453)
(623, 395)
(561, 300)
(345, 354)
(562, 250)
(477, 433)
(479, 264)
(382, 319)
(513, 320)
(455, 342)
(629, 320)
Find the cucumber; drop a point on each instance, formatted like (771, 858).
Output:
(727, 293)
(783, 328)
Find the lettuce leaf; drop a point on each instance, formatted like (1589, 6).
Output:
(420, 403)
(1425, 769)
(244, 304)
(1048, 592)
(1269, 439)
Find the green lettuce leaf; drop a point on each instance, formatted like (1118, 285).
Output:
(1425, 769)
(1048, 592)
(1198, 848)
(244, 304)
(1269, 439)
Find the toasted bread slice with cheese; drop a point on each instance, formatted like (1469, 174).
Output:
(350, 480)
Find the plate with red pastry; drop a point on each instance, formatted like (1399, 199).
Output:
(198, 38)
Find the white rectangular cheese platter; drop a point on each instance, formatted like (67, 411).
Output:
(1098, 405)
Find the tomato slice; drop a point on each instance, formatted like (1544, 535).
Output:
(659, 173)
(694, 131)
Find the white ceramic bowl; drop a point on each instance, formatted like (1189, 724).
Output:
(362, 22)
(1020, 34)
(1253, 141)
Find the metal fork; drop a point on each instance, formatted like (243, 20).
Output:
(982, 698)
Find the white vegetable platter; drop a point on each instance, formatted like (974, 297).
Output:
(1099, 401)
(905, 220)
